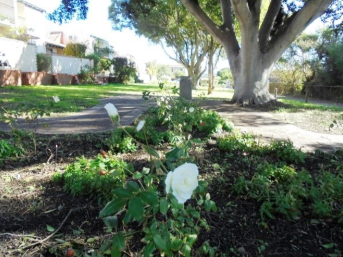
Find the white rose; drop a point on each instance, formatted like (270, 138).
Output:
(112, 112)
(183, 181)
(191, 109)
(140, 125)
(56, 99)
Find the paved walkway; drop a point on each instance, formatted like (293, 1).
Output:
(92, 120)
(264, 124)
(130, 107)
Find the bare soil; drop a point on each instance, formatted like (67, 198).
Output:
(29, 202)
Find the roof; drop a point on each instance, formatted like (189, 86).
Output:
(31, 6)
(54, 44)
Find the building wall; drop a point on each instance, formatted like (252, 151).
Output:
(68, 65)
(7, 10)
(19, 55)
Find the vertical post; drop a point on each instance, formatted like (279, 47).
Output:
(186, 88)
(275, 94)
(306, 95)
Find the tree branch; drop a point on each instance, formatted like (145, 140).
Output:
(194, 8)
(242, 12)
(268, 22)
(294, 25)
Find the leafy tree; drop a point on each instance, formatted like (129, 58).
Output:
(260, 43)
(124, 70)
(169, 22)
(43, 62)
(295, 65)
(75, 49)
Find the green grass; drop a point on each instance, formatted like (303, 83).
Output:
(295, 106)
(77, 98)
(73, 98)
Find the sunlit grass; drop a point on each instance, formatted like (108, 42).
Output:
(294, 106)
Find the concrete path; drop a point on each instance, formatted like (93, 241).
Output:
(264, 124)
(93, 120)
(130, 107)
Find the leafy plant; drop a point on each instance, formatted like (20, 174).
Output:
(44, 62)
(95, 178)
(120, 142)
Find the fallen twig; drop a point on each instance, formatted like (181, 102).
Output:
(58, 229)
(15, 235)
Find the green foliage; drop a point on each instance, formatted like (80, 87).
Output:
(75, 49)
(240, 142)
(86, 75)
(124, 70)
(95, 178)
(44, 62)
(281, 150)
(120, 142)
(9, 149)
(283, 190)
(284, 151)
(211, 122)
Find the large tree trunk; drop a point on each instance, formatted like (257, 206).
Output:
(251, 77)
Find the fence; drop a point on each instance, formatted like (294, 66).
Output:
(19, 55)
(69, 65)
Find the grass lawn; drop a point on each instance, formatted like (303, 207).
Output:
(77, 98)
(73, 98)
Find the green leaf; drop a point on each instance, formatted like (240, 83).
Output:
(90, 240)
(164, 206)
(328, 246)
(132, 186)
(149, 249)
(115, 252)
(118, 241)
(176, 244)
(160, 243)
(50, 228)
(191, 239)
(148, 197)
(111, 222)
(122, 192)
(112, 207)
(175, 154)
(186, 250)
(151, 151)
(137, 175)
(136, 208)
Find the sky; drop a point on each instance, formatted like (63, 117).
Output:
(97, 24)
(126, 41)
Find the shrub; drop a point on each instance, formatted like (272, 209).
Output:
(75, 49)
(95, 178)
(120, 142)
(211, 122)
(124, 70)
(44, 62)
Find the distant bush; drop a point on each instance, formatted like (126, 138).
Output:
(43, 62)
(75, 49)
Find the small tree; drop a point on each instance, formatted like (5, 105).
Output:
(75, 49)
(43, 62)
(124, 70)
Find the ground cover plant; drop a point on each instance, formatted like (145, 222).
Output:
(94, 195)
